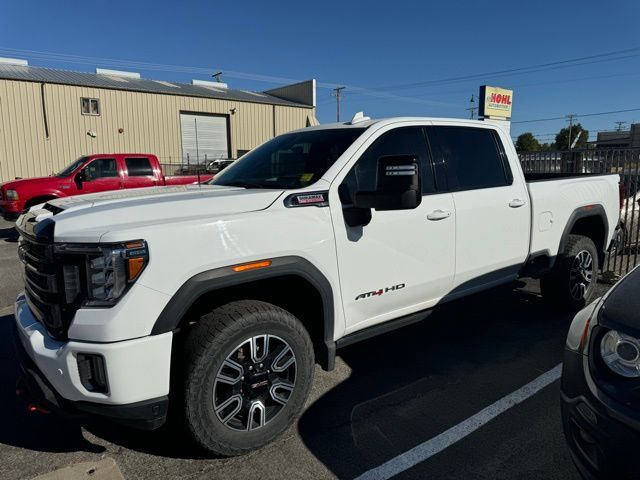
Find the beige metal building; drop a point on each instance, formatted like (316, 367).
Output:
(50, 117)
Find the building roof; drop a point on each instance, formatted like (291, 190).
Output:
(613, 138)
(116, 82)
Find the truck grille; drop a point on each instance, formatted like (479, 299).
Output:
(42, 285)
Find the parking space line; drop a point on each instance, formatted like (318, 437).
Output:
(429, 448)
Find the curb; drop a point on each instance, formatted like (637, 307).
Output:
(106, 469)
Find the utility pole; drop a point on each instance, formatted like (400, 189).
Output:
(217, 76)
(620, 125)
(337, 92)
(571, 116)
(473, 108)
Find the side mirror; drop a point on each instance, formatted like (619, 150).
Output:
(80, 177)
(397, 187)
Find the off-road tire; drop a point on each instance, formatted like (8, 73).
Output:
(555, 286)
(207, 345)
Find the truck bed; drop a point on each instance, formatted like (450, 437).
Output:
(555, 197)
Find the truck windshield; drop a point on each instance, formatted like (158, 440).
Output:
(293, 160)
(72, 167)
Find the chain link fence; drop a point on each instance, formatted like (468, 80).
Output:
(623, 255)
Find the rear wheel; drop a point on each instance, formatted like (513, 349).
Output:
(573, 279)
(248, 374)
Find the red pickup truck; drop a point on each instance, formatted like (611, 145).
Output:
(89, 174)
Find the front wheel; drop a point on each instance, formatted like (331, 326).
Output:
(572, 281)
(248, 374)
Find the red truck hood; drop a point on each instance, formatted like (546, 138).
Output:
(32, 182)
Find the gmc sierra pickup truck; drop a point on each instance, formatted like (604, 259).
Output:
(88, 174)
(220, 298)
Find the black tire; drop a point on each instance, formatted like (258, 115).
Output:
(218, 335)
(557, 285)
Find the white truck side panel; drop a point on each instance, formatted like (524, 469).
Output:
(554, 201)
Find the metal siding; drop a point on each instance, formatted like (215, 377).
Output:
(151, 124)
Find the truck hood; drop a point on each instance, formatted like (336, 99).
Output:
(87, 218)
(35, 181)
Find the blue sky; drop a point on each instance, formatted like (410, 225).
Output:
(376, 46)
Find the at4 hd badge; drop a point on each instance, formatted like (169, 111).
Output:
(381, 291)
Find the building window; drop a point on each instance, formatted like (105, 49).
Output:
(90, 106)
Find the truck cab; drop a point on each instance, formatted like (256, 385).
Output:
(88, 174)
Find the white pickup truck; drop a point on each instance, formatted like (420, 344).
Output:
(220, 298)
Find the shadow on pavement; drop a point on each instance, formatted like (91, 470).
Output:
(52, 433)
(412, 384)
(405, 387)
(9, 234)
(46, 433)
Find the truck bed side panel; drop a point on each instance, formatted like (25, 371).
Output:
(554, 201)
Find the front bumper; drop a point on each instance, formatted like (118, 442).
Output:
(10, 210)
(137, 372)
(602, 435)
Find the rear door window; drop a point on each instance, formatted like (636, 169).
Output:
(472, 158)
(138, 167)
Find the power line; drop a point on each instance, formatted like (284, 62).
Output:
(525, 69)
(84, 60)
(578, 115)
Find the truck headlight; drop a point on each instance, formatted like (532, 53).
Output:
(108, 271)
(11, 195)
(621, 353)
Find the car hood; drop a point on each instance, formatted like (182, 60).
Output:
(87, 218)
(17, 184)
(621, 306)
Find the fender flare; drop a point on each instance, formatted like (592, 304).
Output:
(596, 210)
(218, 278)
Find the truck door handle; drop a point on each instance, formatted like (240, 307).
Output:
(439, 215)
(516, 203)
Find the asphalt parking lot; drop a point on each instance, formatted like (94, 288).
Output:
(386, 396)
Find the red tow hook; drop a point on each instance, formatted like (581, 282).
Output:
(33, 407)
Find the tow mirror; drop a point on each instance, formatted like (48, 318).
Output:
(397, 186)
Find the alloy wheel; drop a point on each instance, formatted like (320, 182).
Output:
(581, 274)
(254, 383)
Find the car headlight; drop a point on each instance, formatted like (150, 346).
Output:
(621, 353)
(107, 271)
(11, 195)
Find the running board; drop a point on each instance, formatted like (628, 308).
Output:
(381, 328)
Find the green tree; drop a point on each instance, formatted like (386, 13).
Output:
(526, 142)
(563, 141)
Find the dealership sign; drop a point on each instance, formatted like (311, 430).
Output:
(495, 102)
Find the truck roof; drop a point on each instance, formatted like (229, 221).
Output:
(390, 120)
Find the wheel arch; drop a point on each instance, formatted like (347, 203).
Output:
(589, 221)
(291, 275)
(40, 199)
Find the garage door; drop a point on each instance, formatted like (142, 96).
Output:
(204, 137)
